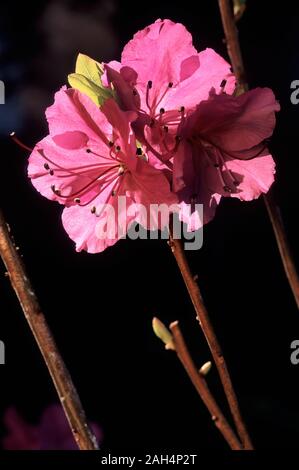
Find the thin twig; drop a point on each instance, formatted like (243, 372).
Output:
(234, 52)
(61, 378)
(208, 330)
(202, 388)
(283, 245)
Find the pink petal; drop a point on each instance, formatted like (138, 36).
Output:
(128, 100)
(236, 124)
(71, 140)
(257, 176)
(94, 233)
(207, 78)
(156, 52)
(72, 169)
(74, 111)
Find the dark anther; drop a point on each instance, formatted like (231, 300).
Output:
(77, 200)
(182, 109)
(51, 172)
(165, 128)
(93, 210)
(162, 111)
(135, 93)
(55, 191)
(88, 150)
(149, 84)
(117, 148)
(223, 83)
(170, 85)
(227, 189)
(139, 151)
(236, 183)
(152, 123)
(110, 143)
(46, 166)
(113, 193)
(216, 165)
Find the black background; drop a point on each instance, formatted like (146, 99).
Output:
(100, 306)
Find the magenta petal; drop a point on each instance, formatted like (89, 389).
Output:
(74, 111)
(71, 140)
(67, 170)
(257, 176)
(238, 123)
(96, 233)
(208, 77)
(156, 53)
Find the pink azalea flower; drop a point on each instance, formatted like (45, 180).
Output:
(89, 159)
(51, 433)
(214, 142)
(161, 76)
(224, 151)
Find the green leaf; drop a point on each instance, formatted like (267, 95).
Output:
(90, 69)
(87, 79)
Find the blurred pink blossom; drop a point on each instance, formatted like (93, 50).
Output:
(51, 433)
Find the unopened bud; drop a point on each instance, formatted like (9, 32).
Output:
(163, 333)
(205, 369)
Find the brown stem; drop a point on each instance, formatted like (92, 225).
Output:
(208, 330)
(283, 245)
(61, 378)
(234, 52)
(202, 388)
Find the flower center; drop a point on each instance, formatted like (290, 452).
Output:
(163, 139)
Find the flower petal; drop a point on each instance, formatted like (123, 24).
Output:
(94, 233)
(207, 78)
(257, 176)
(68, 171)
(236, 124)
(74, 111)
(156, 52)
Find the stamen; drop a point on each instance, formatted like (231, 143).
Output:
(19, 143)
(182, 109)
(139, 151)
(170, 85)
(77, 200)
(223, 83)
(121, 170)
(46, 166)
(148, 87)
(93, 209)
(55, 191)
(162, 111)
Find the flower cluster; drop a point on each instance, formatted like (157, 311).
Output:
(163, 126)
